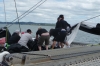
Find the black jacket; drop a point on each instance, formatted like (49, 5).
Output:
(14, 39)
(62, 24)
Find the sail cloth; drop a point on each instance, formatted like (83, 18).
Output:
(90, 29)
(74, 31)
(84, 26)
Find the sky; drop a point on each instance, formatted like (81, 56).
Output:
(74, 11)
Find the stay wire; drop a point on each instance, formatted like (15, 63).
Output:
(5, 11)
(81, 21)
(17, 14)
(5, 21)
(26, 11)
(29, 12)
(90, 18)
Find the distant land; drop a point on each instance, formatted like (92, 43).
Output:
(29, 23)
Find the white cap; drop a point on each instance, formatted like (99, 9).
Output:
(39, 27)
(17, 31)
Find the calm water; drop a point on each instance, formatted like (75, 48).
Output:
(81, 36)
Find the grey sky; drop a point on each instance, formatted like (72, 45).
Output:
(74, 10)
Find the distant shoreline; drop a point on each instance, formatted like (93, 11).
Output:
(29, 23)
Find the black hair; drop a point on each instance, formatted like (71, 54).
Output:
(51, 32)
(29, 30)
(61, 16)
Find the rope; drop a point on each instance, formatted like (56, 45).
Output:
(27, 11)
(90, 18)
(17, 15)
(30, 11)
(81, 21)
(38, 6)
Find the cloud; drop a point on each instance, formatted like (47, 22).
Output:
(74, 10)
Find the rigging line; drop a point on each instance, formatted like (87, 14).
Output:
(26, 11)
(90, 18)
(90, 23)
(5, 21)
(30, 11)
(17, 15)
(5, 11)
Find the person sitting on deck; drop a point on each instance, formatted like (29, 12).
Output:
(25, 38)
(44, 36)
(25, 43)
(14, 38)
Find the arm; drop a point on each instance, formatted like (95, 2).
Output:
(68, 25)
(70, 28)
(30, 37)
(56, 25)
(37, 37)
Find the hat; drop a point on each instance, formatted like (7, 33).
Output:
(39, 28)
(22, 32)
(17, 31)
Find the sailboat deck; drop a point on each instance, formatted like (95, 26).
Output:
(60, 56)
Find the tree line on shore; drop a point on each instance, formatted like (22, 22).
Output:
(29, 23)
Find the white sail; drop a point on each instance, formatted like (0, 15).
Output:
(72, 36)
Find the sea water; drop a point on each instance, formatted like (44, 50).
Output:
(81, 36)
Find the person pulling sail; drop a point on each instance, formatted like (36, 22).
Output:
(62, 24)
(44, 36)
(59, 36)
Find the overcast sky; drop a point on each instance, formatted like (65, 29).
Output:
(74, 11)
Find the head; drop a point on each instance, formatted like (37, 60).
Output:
(29, 31)
(51, 31)
(61, 16)
(58, 19)
(39, 28)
